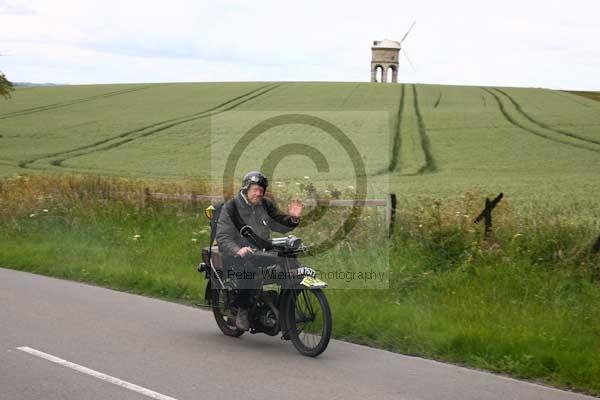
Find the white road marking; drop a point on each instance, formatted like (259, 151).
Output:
(96, 374)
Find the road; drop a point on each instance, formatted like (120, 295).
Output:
(130, 343)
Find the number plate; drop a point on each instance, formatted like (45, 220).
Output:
(311, 282)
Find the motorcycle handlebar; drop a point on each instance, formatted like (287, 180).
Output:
(290, 243)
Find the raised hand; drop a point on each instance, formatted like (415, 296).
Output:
(295, 208)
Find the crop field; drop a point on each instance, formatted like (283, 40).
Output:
(538, 146)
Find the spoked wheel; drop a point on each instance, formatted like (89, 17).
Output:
(217, 300)
(309, 321)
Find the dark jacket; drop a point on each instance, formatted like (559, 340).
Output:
(263, 218)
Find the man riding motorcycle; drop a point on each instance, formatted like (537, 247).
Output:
(250, 207)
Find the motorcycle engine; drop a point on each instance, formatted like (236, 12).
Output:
(269, 319)
(267, 313)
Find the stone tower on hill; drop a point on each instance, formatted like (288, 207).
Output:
(384, 58)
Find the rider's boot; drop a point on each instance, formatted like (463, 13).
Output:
(241, 321)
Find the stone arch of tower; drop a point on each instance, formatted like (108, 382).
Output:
(377, 73)
(385, 69)
(394, 70)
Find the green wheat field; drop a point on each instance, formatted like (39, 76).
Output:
(535, 145)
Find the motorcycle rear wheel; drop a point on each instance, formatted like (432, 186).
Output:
(218, 306)
(309, 321)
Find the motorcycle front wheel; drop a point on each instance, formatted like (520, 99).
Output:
(309, 321)
(217, 301)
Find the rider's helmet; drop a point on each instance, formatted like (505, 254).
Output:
(256, 178)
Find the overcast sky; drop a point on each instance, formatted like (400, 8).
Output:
(509, 43)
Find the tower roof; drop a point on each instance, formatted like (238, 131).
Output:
(386, 44)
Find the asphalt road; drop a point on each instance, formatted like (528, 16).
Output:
(178, 352)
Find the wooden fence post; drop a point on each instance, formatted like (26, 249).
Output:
(596, 247)
(194, 201)
(145, 198)
(390, 216)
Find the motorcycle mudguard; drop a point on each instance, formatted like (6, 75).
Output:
(312, 283)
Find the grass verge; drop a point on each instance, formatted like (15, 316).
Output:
(524, 303)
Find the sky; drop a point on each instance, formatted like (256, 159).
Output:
(526, 43)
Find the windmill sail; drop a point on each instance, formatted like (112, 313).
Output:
(407, 32)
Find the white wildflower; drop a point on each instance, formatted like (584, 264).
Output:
(351, 187)
(31, 215)
(306, 177)
(194, 240)
(136, 237)
(45, 210)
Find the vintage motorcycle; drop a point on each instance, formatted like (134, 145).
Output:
(290, 299)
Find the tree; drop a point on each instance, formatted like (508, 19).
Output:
(6, 86)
